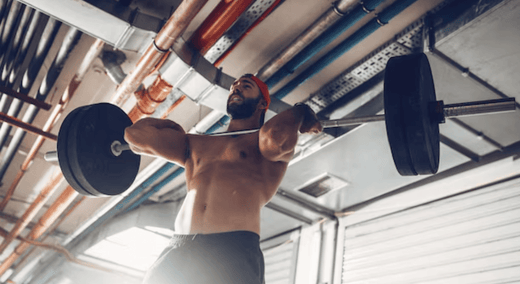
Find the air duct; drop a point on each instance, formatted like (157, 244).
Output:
(94, 21)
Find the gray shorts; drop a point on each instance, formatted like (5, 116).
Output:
(230, 257)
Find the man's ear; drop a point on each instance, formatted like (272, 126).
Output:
(262, 104)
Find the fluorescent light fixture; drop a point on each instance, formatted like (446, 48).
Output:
(135, 248)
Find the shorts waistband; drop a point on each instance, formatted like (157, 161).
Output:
(236, 236)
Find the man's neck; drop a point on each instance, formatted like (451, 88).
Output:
(244, 124)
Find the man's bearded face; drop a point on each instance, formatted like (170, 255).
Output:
(238, 107)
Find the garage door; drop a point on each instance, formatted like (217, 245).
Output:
(472, 237)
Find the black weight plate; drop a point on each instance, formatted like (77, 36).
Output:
(90, 137)
(63, 158)
(412, 133)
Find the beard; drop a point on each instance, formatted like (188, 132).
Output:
(242, 110)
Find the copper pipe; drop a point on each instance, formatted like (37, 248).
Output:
(173, 106)
(258, 21)
(172, 30)
(33, 209)
(69, 92)
(51, 230)
(150, 98)
(220, 19)
(26, 126)
(56, 209)
(25, 98)
(326, 20)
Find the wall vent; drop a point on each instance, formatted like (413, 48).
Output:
(322, 184)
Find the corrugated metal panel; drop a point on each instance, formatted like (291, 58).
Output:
(469, 238)
(280, 263)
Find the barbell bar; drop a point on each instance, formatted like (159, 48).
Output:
(448, 111)
(94, 158)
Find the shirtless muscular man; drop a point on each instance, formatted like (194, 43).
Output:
(229, 180)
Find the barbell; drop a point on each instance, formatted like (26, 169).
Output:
(95, 159)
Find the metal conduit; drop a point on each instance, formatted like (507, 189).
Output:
(13, 47)
(12, 22)
(11, 66)
(383, 18)
(9, 24)
(325, 21)
(36, 27)
(44, 44)
(68, 44)
(67, 95)
(54, 211)
(323, 40)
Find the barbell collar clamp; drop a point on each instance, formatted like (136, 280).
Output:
(51, 156)
(118, 148)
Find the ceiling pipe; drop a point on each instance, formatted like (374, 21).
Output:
(23, 262)
(326, 20)
(45, 41)
(113, 67)
(14, 12)
(220, 19)
(13, 79)
(171, 31)
(381, 19)
(258, 21)
(67, 95)
(13, 48)
(323, 40)
(31, 212)
(214, 26)
(54, 211)
(66, 48)
(11, 26)
(36, 28)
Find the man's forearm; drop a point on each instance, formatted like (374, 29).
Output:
(283, 129)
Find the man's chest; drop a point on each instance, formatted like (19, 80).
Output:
(240, 149)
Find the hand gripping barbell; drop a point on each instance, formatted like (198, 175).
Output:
(93, 157)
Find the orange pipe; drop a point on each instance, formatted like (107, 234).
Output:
(31, 212)
(69, 92)
(220, 19)
(148, 99)
(173, 106)
(54, 227)
(258, 21)
(56, 209)
(164, 40)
